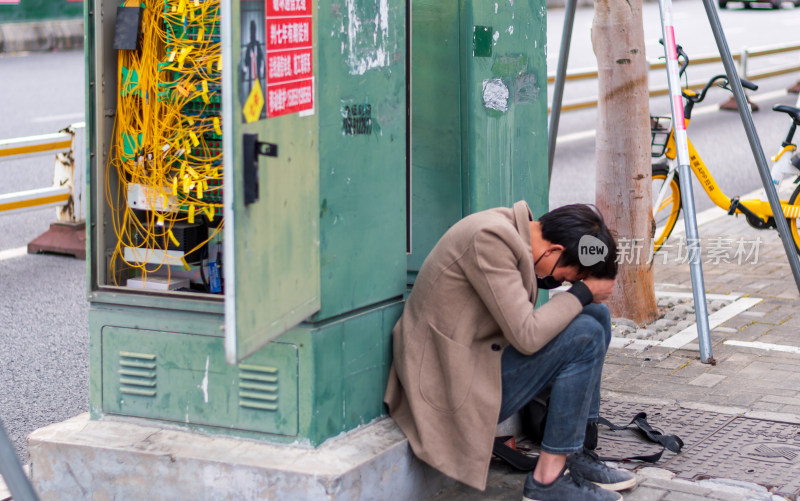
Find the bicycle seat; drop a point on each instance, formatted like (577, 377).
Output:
(789, 110)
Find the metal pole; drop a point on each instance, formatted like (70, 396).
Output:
(687, 197)
(558, 90)
(755, 143)
(10, 469)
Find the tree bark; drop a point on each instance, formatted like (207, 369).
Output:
(623, 152)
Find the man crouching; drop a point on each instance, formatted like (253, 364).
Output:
(471, 349)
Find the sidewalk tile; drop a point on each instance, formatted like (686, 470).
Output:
(707, 380)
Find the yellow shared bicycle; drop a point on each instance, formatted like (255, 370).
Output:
(666, 188)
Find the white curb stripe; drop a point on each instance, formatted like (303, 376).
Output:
(764, 346)
(690, 333)
(689, 295)
(12, 253)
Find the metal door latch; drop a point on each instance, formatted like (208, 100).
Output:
(253, 148)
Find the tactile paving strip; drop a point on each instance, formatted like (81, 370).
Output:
(753, 450)
(691, 426)
(715, 445)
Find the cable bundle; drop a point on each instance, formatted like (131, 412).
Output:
(166, 153)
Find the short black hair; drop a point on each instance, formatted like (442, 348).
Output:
(566, 226)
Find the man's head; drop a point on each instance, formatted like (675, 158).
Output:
(586, 240)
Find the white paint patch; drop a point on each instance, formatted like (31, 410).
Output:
(715, 319)
(764, 346)
(495, 7)
(367, 41)
(510, 30)
(496, 37)
(495, 95)
(12, 253)
(204, 383)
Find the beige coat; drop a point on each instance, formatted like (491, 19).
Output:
(474, 295)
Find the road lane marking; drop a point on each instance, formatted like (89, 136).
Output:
(704, 110)
(12, 253)
(56, 118)
(763, 346)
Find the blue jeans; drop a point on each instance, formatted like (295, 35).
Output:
(571, 365)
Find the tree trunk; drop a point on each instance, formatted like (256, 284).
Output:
(623, 152)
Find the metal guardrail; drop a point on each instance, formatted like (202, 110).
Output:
(741, 57)
(66, 193)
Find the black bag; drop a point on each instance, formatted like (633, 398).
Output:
(534, 417)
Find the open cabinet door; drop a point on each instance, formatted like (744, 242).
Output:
(271, 171)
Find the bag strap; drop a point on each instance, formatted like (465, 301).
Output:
(523, 462)
(515, 458)
(671, 442)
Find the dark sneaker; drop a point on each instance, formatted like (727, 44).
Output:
(566, 487)
(586, 464)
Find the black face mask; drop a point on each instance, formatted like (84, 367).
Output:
(549, 281)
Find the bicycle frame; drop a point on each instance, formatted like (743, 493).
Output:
(759, 208)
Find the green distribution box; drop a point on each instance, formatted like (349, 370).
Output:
(267, 177)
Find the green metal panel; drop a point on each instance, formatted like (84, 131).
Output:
(332, 376)
(435, 124)
(271, 246)
(362, 149)
(479, 112)
(38, 10)
(504, 106)
(184, 378)
(344, 377)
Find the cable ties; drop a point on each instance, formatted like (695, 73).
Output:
(205, 92)
(173, 239)
(182, 57)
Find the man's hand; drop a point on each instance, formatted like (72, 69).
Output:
(601, 288)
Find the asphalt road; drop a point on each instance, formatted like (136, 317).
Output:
(718, 135)
(44, 335)
(43, 315)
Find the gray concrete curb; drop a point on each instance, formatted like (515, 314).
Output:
(41, 36)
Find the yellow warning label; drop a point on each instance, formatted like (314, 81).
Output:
(254, 103)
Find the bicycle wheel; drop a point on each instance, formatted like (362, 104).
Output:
(666, 214)
(793, 224)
